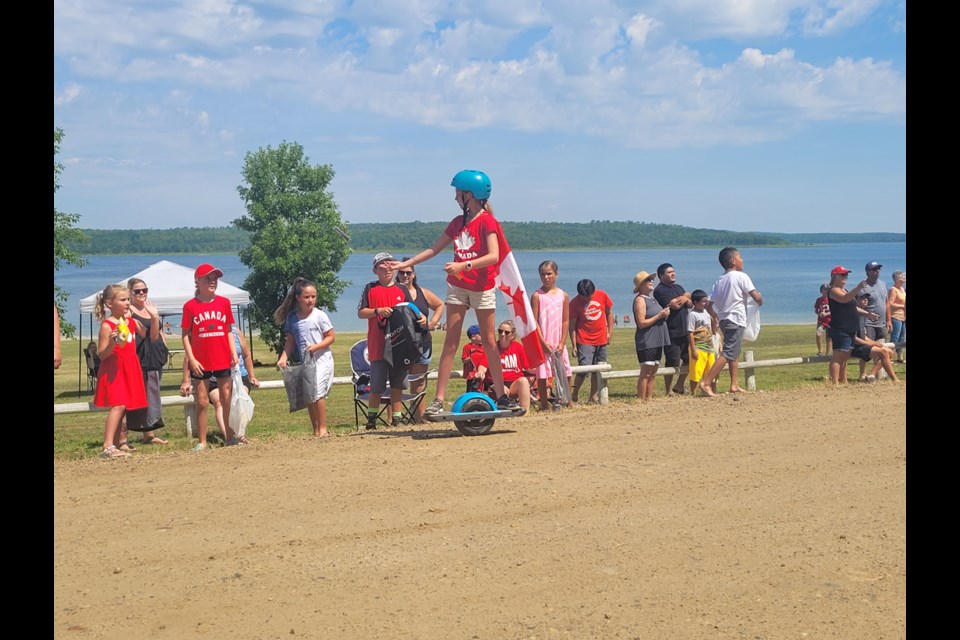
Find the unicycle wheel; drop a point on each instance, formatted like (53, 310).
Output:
(477, 427)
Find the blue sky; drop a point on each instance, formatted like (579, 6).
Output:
(749, 115)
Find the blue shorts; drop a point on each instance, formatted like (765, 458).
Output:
(842, 340)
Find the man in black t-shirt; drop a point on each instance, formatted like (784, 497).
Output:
(669, 293)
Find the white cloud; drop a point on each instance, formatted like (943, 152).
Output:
(202, 80)
(68, 95)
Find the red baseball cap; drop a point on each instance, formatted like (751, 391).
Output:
(839, 271)
(205, 270)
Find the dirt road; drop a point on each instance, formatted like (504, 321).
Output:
(762, 516)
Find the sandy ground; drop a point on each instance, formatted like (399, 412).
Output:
(761, 516)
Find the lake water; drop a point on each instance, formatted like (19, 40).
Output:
(788, 277)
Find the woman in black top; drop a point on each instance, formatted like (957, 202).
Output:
(431, 306)
(844, 321)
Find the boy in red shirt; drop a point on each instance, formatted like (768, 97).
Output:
(377, 301)
(473, 347)
(591, 327)
(208, 350)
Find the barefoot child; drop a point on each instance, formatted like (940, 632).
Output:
(701, 327)
(207, 327)
(591, 326)
(309, 335)
(728, 302)
(120, 379)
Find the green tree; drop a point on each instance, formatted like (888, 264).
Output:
(295, 230)
(65, 236)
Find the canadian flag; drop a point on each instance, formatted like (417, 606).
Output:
(510, 284)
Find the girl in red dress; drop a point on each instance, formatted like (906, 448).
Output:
(120, 380)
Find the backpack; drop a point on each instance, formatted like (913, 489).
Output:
(402, 336)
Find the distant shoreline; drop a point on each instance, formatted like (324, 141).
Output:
(409, 237)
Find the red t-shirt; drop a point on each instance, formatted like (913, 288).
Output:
(470, 243)
(469, 350)
(591, 317)
(211, 337)
(513, 360)
(376, 295)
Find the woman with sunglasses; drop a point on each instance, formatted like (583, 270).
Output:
(152, 351)
(651, 335)
(431, 306)
(513, 361)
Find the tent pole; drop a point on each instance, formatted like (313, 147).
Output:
(249, 333)
(82, 362)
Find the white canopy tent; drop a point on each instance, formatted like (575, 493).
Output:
(171, 285)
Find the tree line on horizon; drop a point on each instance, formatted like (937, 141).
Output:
(413, 236)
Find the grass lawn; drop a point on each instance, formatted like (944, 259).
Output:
(80, 435)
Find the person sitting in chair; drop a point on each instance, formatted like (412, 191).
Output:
(513, 359)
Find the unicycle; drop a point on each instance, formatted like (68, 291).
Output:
(473, 414)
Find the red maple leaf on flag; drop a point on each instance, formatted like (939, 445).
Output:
(516, 301)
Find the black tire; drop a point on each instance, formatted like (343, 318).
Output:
(475, 427)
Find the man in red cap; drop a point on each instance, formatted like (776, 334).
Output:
(208, 348)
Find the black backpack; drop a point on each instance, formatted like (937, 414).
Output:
(402, 336)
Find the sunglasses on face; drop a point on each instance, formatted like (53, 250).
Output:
(405, 273)
(504, 333)
(140, 291)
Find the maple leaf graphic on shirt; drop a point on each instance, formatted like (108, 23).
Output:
(464, 241)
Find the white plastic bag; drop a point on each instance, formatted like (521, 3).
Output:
(752, 330)
(241, 405)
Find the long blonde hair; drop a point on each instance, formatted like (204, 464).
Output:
(109, 293)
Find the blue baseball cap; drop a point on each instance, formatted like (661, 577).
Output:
(473, 330)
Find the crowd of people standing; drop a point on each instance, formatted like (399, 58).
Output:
(522, 358)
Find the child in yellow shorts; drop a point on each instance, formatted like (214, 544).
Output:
(701, 327)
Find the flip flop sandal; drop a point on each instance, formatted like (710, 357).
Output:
(154, 440)
(126, 446)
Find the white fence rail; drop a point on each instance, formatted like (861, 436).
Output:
(604, 372)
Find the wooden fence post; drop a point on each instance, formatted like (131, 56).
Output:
(750, 371)
(190, 418)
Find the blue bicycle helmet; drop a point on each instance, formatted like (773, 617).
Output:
(476, 182)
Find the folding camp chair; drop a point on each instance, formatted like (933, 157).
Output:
(360, 367)
(93, 365)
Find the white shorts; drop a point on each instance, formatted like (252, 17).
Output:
(471, 299)
(324, 366)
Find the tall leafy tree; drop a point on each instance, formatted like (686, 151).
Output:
(65, 236)
(295, 230)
